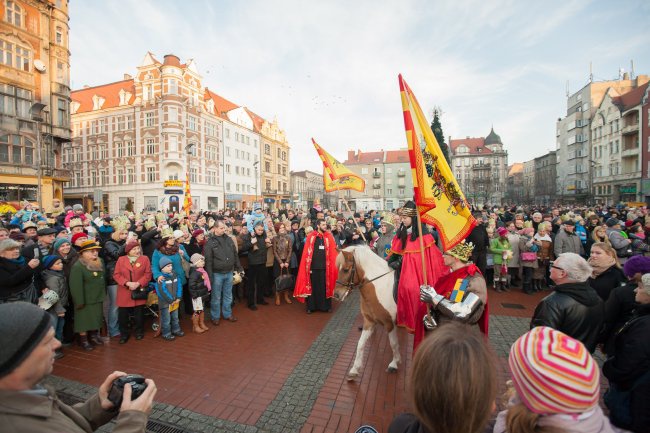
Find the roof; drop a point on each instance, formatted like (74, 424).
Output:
(394, 156)
(632, 98)
(365, 157)
(493, 138)
(258, 121)
(110, 93)
(221, 104)
(473, 144)
(516, 168)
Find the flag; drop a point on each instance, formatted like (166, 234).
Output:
(439, 199)
(187, 202)
(336, 176)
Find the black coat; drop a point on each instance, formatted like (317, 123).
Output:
(149, 242)
(256, 252)
(196, 285)
(618, 310)
(221, 255)
(630, 361)
(15, 278)
(480, 238)
(574, 309)
(112, 251)
(607, 281)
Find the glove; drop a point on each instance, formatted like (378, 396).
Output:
(427, 294)
(395, 262)
(79, 306)
(429, 322)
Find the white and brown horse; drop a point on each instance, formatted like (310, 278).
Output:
(360, 268)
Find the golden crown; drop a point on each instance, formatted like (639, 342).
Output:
(462, 251)
(408, 212)
(76, 222)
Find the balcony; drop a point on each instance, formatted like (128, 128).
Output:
(482, 166)
(376, 185)
(630, 129)
(401, 173)
(376, 174)
(630, 153)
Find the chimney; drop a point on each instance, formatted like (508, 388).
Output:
(350, 155)
(626, 75)
(127, 77)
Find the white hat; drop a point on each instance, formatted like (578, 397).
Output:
(48, 299)
(178, 234)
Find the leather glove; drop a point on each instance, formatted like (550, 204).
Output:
(427, 293)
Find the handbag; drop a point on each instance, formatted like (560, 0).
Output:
(139, 294)
(284, 281)
(528, 256)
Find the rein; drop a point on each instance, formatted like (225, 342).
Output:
(351, 285)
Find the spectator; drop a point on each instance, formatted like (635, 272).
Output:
(170, 248)
(54, 280)
(544, 244)
(566, 240)
(17, 274)
(622, 245)
(607, 273)
(199, 286)
(132, 272)
(501, 253)
(637, 236)
(113, 250)
(514, 264)
(573, 308)
(282, 248)
(29, 345)
(448, 395)
(256, 244)
(43, 243)
(169, 289)
(628, 397)
(528, 248)
(479, 237)
(556, 386)
(599, 234)
(88, 291)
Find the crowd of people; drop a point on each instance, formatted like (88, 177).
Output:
(97, 276)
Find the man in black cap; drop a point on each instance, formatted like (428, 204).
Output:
(566, 240)
(41, 246)
(28, 347)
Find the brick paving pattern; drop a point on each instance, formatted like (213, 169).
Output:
(277, 370)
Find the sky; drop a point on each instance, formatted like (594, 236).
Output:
(328, 69)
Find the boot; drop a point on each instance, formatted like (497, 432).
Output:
(202, 321)
(497, 286)
(287, 299)
(195, 324)
(277, 299)
(83, 342)
(505, 286)
(95, 339)
(537, 285)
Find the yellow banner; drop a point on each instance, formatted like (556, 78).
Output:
(336, 176)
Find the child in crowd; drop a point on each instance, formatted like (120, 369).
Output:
(199, 287)
(54, 280)
(169, 289)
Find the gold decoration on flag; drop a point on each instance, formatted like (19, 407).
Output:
(438, 197)
(187, 201)
(336, 176)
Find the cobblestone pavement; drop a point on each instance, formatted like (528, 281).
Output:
(315, 397)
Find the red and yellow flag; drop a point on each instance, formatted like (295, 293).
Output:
(336, 176)
(187, 202)
(438, 197)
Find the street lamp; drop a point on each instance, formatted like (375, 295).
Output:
(37, 110)
(188, 153)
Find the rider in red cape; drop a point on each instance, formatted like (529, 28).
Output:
(405, 248)
(460, 295)
(317, 272)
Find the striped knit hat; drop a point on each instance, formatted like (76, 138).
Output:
(554, 373)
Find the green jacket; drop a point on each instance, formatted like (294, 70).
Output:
(497, 247)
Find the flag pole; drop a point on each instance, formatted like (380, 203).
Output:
(354, 219)
(421, 235)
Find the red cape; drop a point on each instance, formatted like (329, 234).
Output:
(444, 287)
(303, 281)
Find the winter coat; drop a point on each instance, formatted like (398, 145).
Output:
(139, 271)
(256, 252)
(514, 262)
(56, 281)
(639, 247)
(15, 276)
(620, 243)
(497, 247)
(566, 242)
(149, 241)
(630, 361)
(196, 284)
(525, 246)
(604, 283)
(169, 290)
(619, 308)
(193, 247)
(575, 309)
(221, 255)
(282, 248)
(176, 263)
(480, 238)
(43, 412)
(113, 250)
(87, 288)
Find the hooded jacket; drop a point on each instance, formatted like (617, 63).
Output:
(575, 309)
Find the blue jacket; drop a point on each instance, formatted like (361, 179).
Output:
(176, 264)
(165, 288)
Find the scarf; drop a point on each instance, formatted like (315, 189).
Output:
(206, 278)
(169, 251)
(132, 260)
(601, 265)
(546, 237)
(19, 261)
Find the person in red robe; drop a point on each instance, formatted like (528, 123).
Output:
(406, 248)
(317, 272)
(459, 296)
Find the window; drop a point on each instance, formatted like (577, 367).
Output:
(236, 136)
(211, 153)
(58, 37)
(268, 185)
(267, 149)
(192, 123)
(173, 143)
(120, 176)
(210, 129)
(173, 114)
(149, 119)
(237, 169)
(227, 151)
(15, 55)
(212, 177)
(62, 112)
(228, 186)
(151, 174)
(194, 175)
(130, 148)
(267, 166)
(14, 14)
(227, 133)
(389, 191)
(151, 146)
(228, 168)
(15, 101)
(172, 86)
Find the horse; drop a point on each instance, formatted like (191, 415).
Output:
(360, 268)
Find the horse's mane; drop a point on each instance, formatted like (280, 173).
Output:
(365, 257)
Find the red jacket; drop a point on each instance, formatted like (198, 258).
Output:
(140, 272)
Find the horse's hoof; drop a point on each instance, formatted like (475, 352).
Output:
(352, 377)
(391, 370)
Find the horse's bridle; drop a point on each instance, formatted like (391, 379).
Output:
(351, 285)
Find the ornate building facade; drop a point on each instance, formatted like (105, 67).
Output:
(34, 99)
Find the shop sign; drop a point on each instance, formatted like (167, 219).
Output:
(173, 191)
(173, 184)
(628, 189)
(285, 201)
(269, 200)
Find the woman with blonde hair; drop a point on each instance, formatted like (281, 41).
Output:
(544, 243)
(607, 273)
(557, 386)
(598, 234)
(453, 383)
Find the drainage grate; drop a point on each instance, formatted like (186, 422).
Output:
(513, 306)
(153, 426)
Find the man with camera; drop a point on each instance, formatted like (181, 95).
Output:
(28, 347)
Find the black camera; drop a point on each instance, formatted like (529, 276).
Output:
(117, 389)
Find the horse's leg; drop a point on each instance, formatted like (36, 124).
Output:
(394, 345)
(368, 328)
